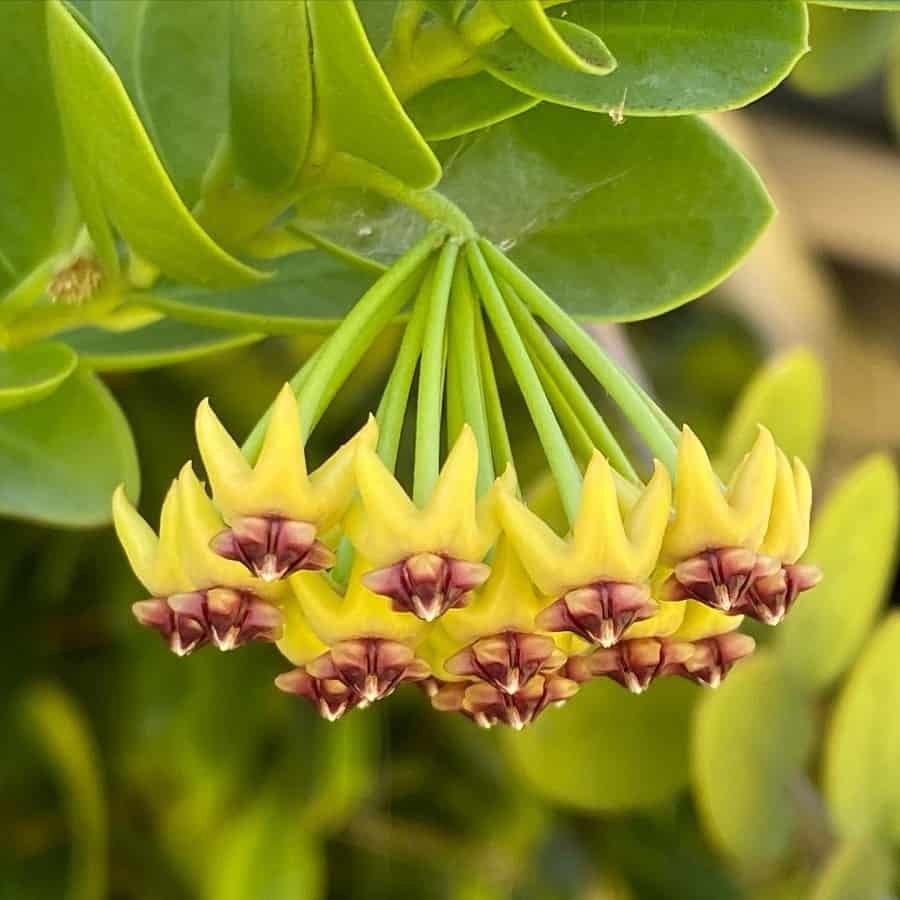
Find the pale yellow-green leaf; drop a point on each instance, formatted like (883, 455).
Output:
(854, 540)
(857, 870)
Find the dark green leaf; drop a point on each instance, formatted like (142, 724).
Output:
(857, 870)
(751, 741)
(162, 343)
(355, 104)
(457, 106)
(678, 56)
(29, 373)
(183, 106)
(861, 780)
(62, 734)
(848, 47)
(607, 750)
(61, 458)
(311, 291)
(271, 89)
(854, 540)
(34, 219)
(117, 174)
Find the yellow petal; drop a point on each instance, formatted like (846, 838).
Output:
(646, 521)
(598, 531)
(225, 465)
(701, 622)
(788, 532)
(750, 492)
(665, 622)
(298, 642)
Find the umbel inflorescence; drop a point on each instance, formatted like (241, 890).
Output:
(458, 586)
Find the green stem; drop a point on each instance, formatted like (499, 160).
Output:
(617, 384)
(671, 428)
(501, 449)
(46, 321)
(576, 434)
(456, 416)
(345, 169)
(431, 373)
(395, 399)
(359, 328)
(559, 454)
(462, 345)
(595, 426)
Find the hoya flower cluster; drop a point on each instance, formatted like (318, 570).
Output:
(458, 585)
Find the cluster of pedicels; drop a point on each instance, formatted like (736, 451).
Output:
(476, 599)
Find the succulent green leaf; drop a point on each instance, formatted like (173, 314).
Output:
(118, 177)
(854, 540)
(863, 742)
(607, 751)
(678, 56)
(848, 47)
(788, 396)
(266, 852)
(29, 373)
(162, 343)
(551, 39)
(859, 4)
(183, 106)
(271, 89)
(751, 741)
(311, 291)
(61, 458)
(857, 870)
(458, 106)
(356, 109)
(60, 731)
(33, 219)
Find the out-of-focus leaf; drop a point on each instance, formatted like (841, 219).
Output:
(516, 63)
(892, 93)
(854, 540)
(616, 223)
(607, 750)
(183, 107)
(857, 870)
(118, 176)
(311, 291)
(863, 742)
(161, 343)
(60, 731)
(266, 852)
(787, 396)
(271, 89)
(678, 56)
(751, 741)
(30, 373)
(848, 47)
(355, 104)
(551, 39)
(61, 458)
(32, 220)
(457, 106)
(858, 4)
(377, 17)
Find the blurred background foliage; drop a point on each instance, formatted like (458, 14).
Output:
(128, 773)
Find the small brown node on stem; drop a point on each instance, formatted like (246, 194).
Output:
(76, 282)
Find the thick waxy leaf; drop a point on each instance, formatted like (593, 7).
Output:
(516, 63)
(751, 741)
(854, 540)
(162, 343)
(61, 458)
(31, 372)
(551, 39)
(861, 780)
(271, 89)
(183, 106)
(118, 176)
(857, 870)
(615, 223)
(606, 750)
(355, 105)
(859, 4)
(32, 220)
(457, 106)
(676, 56)
(61, 733)
(788, 397)
(311, 291)
(848, 46)
(266, 852)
